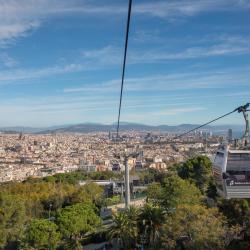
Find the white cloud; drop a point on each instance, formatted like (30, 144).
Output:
(161, 9)
(7, 60)
(60, 109)
(177, 111)
(99, 107)
(19, 17)
(212, 79)
(17, 75)
(182, 8)
(182, 80)
(108, 86)
(162, 116)
(221, 45)
(9, 32)
(108, 55)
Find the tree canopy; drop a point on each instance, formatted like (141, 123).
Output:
(197, 169)
(42, 234)
(12, 218)
(76, 220)
(177, 191)
(195, 227)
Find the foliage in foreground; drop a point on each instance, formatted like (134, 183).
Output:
(188, 227)
(196, 227)
(25, 209)
(12, 217)
(125, 228)
(176, 214)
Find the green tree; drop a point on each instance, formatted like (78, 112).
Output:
(151, 221)
(49, 179)
(151, 175)
(76, 220)
(198, 169)
(94, 191)
(154, 193)
(113, 200)
(125, 228)
(42, 234)
(195, 227)
(12, 219)
(90, 192)
(36, 194)
(237, 212)
(178, 191)
(211, 191)
(53, 203)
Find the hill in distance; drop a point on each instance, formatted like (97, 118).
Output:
(124, 126)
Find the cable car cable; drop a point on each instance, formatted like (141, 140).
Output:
(124, 66)
(239, 109)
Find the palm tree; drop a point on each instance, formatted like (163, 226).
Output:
(125, 228)
(152, 219)
(133, 215)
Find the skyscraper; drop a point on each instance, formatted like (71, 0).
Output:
(230, 135)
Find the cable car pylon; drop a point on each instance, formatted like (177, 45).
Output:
(244, 109)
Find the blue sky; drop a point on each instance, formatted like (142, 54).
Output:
(60, 61)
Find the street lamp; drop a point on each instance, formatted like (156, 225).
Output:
(50, 206)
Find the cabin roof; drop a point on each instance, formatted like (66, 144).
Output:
(235, 151)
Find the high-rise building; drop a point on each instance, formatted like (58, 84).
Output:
(230, 135)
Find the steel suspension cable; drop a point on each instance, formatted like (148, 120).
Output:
(124, 66)
(239, 109)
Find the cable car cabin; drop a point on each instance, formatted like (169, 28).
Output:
(231, 169)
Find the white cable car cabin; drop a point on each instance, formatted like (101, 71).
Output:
(231, 170)
(231, 166)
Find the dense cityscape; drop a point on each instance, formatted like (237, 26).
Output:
(31, 155)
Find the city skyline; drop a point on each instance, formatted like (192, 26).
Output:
(60, 61)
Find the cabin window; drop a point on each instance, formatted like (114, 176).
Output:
(220, 154)
(219, 159)
(238, 162)
(237, 178)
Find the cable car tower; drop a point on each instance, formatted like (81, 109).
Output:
(244, 109)
(231, 166)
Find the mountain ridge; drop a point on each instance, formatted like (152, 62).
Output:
(124, 126)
